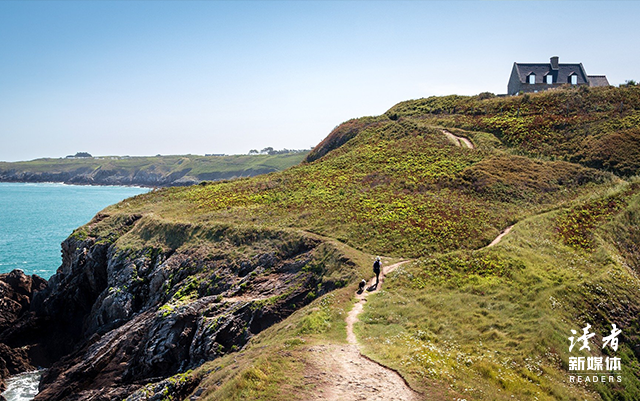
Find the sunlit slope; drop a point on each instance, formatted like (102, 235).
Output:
(397, 187)
(597, 127)
(494, 324)
(491, 324)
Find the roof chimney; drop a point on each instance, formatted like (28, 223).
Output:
(554, 62)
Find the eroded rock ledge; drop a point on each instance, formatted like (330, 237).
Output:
(138, 299)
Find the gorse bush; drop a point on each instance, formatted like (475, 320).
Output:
(571, 123)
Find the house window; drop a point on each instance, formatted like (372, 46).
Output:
(532, 79)
(549, 79)
(574, 79)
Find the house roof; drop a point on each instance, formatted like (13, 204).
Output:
(561, 75)
(598, 80)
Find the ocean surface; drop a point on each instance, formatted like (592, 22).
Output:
(36, 218)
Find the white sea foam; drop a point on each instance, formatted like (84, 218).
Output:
(23, 387)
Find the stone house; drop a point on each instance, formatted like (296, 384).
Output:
(534, 77)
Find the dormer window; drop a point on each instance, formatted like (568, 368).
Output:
(574, 79)
(549, 79)
(532, 79)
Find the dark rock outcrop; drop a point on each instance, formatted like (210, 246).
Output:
(16, 292)
(115, 319)
(145, 178)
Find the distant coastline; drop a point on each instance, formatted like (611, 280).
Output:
(146, 172)
(76, 184)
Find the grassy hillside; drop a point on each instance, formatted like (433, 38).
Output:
(596, 127)
(398, 188)
(495, 323)
(461, 321)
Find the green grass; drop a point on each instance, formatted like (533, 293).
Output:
(597, 127)
(493, 324)
(486, 324)
(397, 188)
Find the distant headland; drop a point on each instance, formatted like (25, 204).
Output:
(149, 171)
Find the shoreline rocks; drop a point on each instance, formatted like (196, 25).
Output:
(116, 318)
(16, 293)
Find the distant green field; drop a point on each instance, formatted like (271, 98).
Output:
(152, 170)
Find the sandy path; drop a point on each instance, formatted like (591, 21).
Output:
(458, 140)
(352, 317)
(499, 237)
(347, 375)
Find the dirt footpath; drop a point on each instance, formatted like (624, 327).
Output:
(345, 375)
(458, 140)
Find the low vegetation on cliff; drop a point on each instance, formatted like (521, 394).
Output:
(249, 275)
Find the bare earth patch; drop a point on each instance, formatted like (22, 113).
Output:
(499, 237)
(344, 374)
(458, 140)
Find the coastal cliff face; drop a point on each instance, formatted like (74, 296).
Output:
(160, 283)
(125, 177)
(148, 171)
(138, 300)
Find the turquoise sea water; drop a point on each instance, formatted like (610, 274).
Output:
(36, 218)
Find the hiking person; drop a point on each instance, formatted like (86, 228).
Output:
(376, 269)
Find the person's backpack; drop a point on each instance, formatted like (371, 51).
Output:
(376, 266)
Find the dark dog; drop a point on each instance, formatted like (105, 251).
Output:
(361, 285)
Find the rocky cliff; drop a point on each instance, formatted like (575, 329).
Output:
(16, 292)
(138, 299)
(125, 176)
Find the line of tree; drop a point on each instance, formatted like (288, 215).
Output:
(79, 154)
(271, 151)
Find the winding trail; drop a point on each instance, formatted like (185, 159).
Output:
(352, 317)
(458, 140)
(499, 237)
(344, 374)
(347, 375)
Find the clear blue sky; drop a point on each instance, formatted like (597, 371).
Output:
(141, 78)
